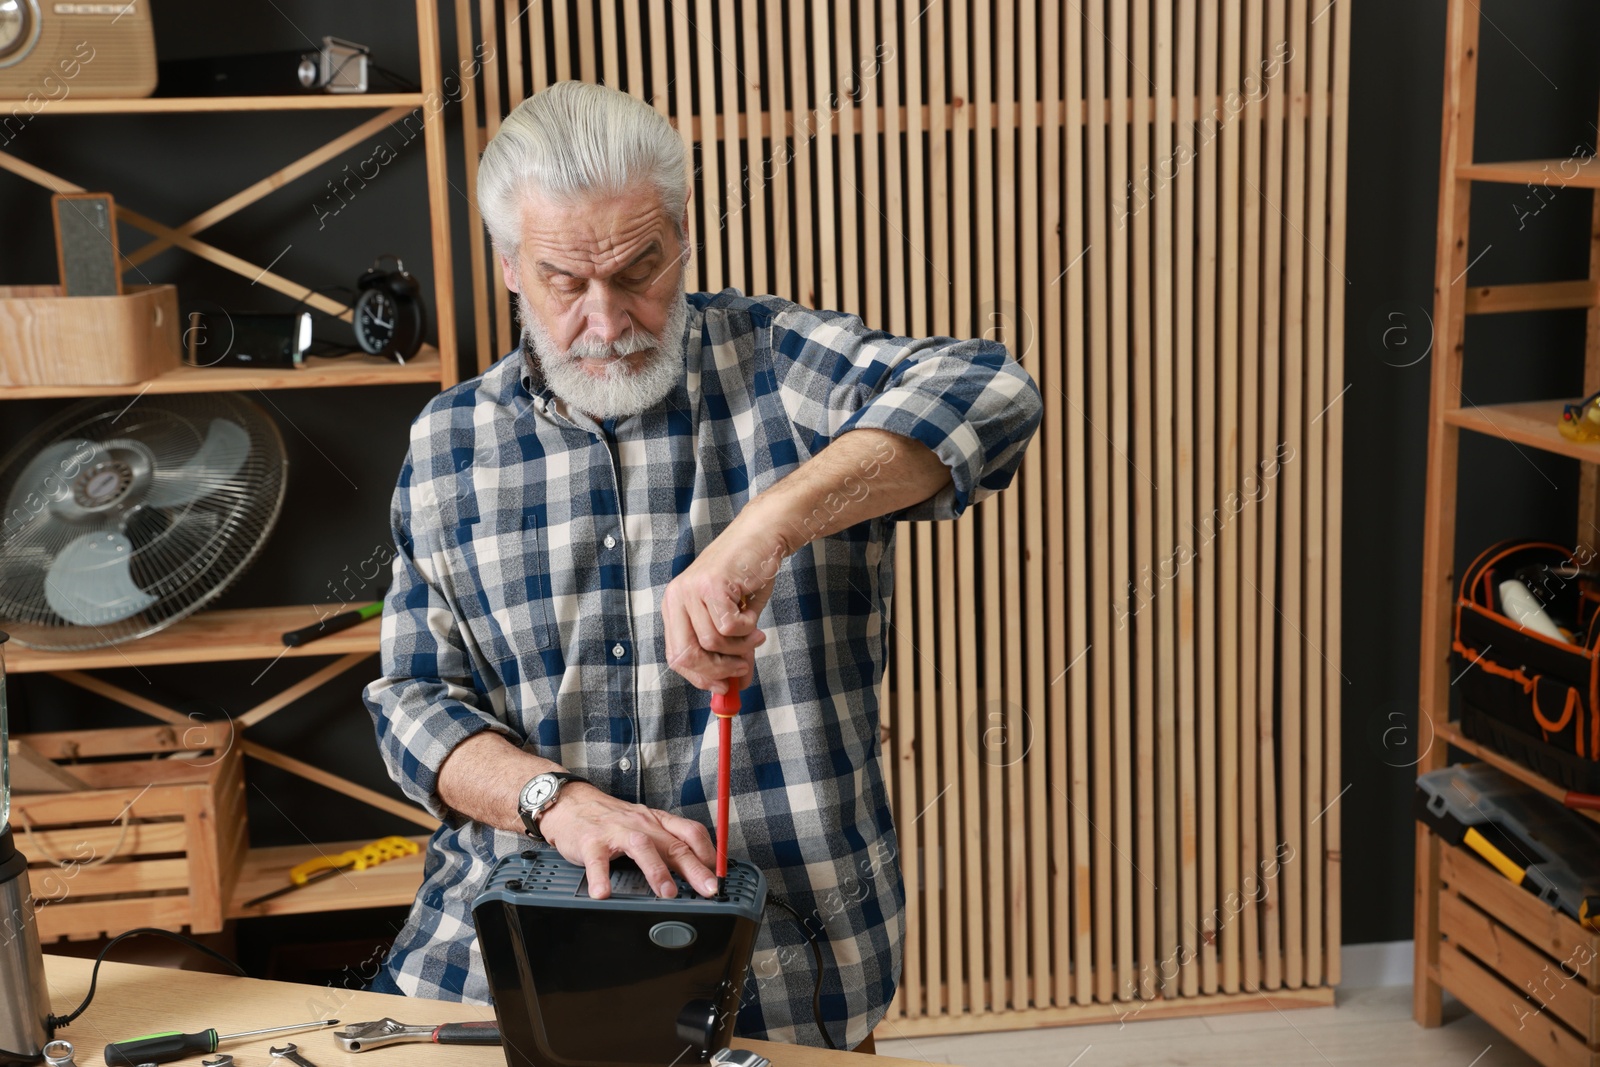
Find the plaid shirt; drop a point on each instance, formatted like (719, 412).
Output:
(533, 547)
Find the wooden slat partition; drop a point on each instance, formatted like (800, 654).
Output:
(1112, 706)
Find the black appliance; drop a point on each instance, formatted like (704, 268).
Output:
(634, 980)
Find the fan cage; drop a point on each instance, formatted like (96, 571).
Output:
(185, 552)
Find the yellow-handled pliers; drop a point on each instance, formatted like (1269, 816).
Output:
(356, 859)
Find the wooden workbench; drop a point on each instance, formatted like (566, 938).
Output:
(131, 1000)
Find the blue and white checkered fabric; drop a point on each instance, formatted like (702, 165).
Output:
(533, 548)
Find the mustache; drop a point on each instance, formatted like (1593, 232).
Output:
(629, 344)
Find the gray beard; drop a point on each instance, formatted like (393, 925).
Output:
(619, 392)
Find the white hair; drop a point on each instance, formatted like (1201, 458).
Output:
(577, 139)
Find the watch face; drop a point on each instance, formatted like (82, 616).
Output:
(538, 791)
(376, 317)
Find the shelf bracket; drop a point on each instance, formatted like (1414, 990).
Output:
(271, 183)
(208, 252)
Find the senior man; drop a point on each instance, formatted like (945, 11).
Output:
(658, 496)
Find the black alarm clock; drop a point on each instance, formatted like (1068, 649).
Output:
(389, 317)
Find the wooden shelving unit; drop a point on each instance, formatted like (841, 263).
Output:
(254, 634)
(393, 108)
(179, 104)
(1453, 735)
(317, 373)
(1473, 928)
(1532, 423)
(208, 637)
(1558, 172)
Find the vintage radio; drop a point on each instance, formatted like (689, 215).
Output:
(51, 50)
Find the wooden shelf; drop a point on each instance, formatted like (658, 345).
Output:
(1464, 939)
(176, 104)
(1532, 423)
(1451, 732)
(318, 373)
(387, 885)
(208, 637)
(1585, 175)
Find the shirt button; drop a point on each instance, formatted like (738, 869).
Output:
(625, 763)
(611, 542)
(617, 650)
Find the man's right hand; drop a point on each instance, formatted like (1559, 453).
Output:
(591, 828)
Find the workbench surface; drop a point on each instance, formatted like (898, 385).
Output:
(132, 1000)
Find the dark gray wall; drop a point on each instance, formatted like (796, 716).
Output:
(345, 445)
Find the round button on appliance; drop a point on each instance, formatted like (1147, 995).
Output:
(673, 934)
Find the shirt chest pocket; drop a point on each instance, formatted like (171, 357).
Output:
(503, 591)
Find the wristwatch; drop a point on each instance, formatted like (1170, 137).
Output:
(538, 795)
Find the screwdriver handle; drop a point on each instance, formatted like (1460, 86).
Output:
(159, 1048)
(724, 706)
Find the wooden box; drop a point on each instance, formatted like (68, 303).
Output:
(155, 839)
(50, 339)
(1524, 967)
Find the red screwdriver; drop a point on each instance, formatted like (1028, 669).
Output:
(724, 706)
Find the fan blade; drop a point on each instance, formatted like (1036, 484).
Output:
(89, 583)
(48, 476)
(217, 460)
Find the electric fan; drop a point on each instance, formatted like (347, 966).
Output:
(122, 519)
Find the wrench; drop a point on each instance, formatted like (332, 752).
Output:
(292, 1054)
(363, 1037)
(223, 1060)
(738, 1058)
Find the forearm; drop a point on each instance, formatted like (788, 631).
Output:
(710, 611)
(863, 474)
(483, 776)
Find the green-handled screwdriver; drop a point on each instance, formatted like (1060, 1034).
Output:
(164, 1048)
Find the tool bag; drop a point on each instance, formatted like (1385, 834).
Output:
(1530, 697)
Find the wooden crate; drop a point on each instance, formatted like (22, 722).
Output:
(50, 339)
(156, 839)
(1527, 969)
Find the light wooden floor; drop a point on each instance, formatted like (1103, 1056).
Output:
(1369, 1026)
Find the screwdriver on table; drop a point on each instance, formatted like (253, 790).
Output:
(166, 1047)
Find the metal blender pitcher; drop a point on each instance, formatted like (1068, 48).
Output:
(25, 1005)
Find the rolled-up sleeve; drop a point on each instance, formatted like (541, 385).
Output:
(426, 702)
(968, 401)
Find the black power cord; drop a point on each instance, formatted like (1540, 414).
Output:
(396, 81)
(59, 1022)
(816, 952)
